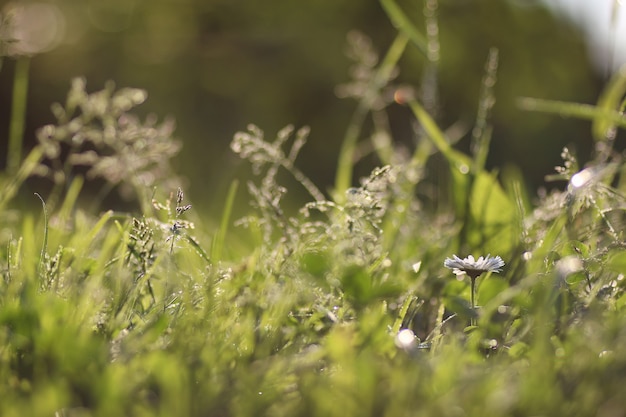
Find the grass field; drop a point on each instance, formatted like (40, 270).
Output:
(342, 308)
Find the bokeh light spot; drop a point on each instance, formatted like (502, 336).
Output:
(35, 27)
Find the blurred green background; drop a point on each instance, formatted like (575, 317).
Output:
(217, 65)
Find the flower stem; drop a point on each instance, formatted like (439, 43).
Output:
(473, 300)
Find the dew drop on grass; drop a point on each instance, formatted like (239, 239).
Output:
(581, 178)
(405, 339)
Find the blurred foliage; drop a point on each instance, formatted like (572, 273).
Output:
(217, 66)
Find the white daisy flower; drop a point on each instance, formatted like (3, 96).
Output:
(474, 267)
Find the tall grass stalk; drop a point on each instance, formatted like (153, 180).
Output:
(18, 114)
(401, 22)
(343, 179)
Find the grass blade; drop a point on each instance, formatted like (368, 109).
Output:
(568, 109)
(609, 102)
(198, 248)
(15, 181)
(343, 180)
(220, 237)
(71, 196)
(44, 245)
(481, 135)
(18, 115)
(436, 135)
(400, 20)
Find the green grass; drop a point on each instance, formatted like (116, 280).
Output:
(152, 313)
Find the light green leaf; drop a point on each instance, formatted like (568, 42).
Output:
(492, 216)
